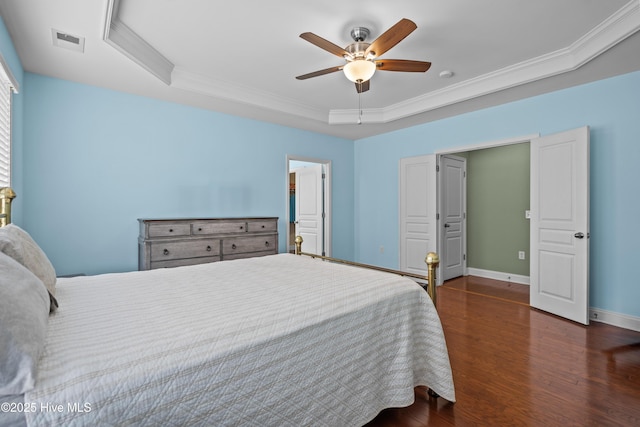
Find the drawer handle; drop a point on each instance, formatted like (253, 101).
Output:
(208, 248)
(263, 226)
(233, 246)
(199, 228)
(266, 243)
(171, 230)
(166, 252)
(242, 227)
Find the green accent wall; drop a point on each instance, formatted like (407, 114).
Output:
(497, 198)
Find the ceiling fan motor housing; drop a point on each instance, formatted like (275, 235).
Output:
(359, 34)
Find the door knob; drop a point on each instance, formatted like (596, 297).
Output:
(579, 235)
(447, 225)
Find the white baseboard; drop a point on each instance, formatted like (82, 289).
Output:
(615, 319)
(498, 275)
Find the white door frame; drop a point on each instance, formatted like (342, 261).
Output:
(327, 198)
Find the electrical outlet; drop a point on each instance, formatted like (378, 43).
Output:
(521, 255)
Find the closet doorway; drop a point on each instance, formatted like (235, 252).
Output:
(494, 241)
(422, 226)
(309, 204)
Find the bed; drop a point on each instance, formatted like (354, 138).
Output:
(282, 340)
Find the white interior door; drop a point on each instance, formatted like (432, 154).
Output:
(453, 174)
(560, 224)
(418, 224)
(310, 208)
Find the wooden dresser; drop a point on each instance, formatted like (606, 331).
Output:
(188, 241)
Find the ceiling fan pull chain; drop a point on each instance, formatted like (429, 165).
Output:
(360, 104)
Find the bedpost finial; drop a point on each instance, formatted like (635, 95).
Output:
(298, 241)
(6, 195)
(432, 260)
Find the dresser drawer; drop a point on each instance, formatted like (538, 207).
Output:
(257, 226)
(164, 251)
(169, 230)
(199, 228)
(248, 244)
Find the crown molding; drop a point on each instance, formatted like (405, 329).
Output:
(124, 39)
(622, 24)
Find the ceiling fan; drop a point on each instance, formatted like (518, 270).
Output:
(361, 57)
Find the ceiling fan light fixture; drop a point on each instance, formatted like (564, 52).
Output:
(361, 56)
(359, 70)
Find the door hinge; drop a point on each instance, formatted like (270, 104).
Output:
(437, 168)
(464, 257)
(437, 216)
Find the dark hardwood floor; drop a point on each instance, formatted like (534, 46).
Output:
(517, 366)
(507, 291)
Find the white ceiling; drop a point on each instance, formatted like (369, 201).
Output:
(242, 57)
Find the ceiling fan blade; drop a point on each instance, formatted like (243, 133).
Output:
(320, 73)
(391, 37)
(363, 87)
(324, 44)
(402, 65)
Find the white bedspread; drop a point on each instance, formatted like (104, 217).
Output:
(281, 340)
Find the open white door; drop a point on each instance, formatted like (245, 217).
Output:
(559, 270)
(418, 224)
(453, 209)
(310, 208)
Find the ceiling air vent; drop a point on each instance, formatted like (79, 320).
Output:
(67, 41)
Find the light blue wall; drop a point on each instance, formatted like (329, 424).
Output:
(610, 107)
(13, 61)
(95, 160)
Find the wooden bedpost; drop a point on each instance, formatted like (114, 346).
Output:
(6, 195)
(298, 242)
(432, 261)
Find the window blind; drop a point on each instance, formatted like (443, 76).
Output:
(7, 85)
(5, 135)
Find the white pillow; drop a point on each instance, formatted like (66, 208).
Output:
(24, 312)
(19, 245)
